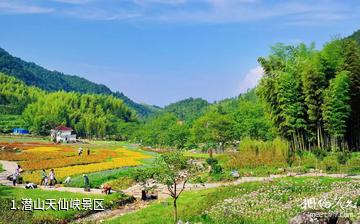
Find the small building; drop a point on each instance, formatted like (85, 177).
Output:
(62, 134)
(20, 131)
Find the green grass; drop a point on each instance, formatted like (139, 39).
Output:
(18, 194)
(22, 138)
(193, 205)
(98, 178)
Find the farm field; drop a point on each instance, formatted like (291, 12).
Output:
(254, 202)
(33, 156)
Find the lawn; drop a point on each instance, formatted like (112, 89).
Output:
(271, 202)
(40, 216)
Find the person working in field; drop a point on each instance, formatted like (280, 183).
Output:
(52, 177)
(16, 175)
(106, 188)
(80, 151)
(86, 183)
(43, 177)
(88, 151)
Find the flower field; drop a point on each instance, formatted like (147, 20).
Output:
(66, 161)
(274, 202)
(277, 202)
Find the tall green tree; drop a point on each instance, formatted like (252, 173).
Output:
(352, 65)
(214, 129)
(336, 108)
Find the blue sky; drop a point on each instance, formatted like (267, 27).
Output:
(161, 51)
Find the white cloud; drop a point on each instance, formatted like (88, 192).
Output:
(251, 79)
(19, 8)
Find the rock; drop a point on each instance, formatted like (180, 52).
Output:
(319, 217)
(235, 174)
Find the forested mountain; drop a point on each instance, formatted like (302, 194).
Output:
(14, 97)
(188, 109)
(355, 36)
(90, 115)
(33, 74)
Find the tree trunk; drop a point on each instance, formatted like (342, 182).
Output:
(175, 211)
(210, 152)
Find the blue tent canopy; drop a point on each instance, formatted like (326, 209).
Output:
(21, 131)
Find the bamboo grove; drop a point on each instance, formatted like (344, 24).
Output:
(313, 96)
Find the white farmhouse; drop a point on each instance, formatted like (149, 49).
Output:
(62, 134)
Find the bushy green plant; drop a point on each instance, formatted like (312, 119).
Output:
(343, 157)
(319, 153)
(215, 167)
(211, 161)
(330, 163)
(309, 161)
(354, 165)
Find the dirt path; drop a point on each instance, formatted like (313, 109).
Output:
(9, 169)
(135, 190)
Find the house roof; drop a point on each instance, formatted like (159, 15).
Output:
(19, 129)
(62, 128)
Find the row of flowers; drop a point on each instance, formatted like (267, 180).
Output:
(274, 202)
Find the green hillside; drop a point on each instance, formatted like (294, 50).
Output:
(14, 97)
(91, 115)
(188, 109)
(33, 74)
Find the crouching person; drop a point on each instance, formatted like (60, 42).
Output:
(106, 189)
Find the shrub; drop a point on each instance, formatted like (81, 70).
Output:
(255, 153)
(216, 169)
(343, 157)
(211, 161)
(308, 160)
(330, 163)
(319, 153)
(354, 165)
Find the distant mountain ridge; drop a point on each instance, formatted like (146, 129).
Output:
(35, 75)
